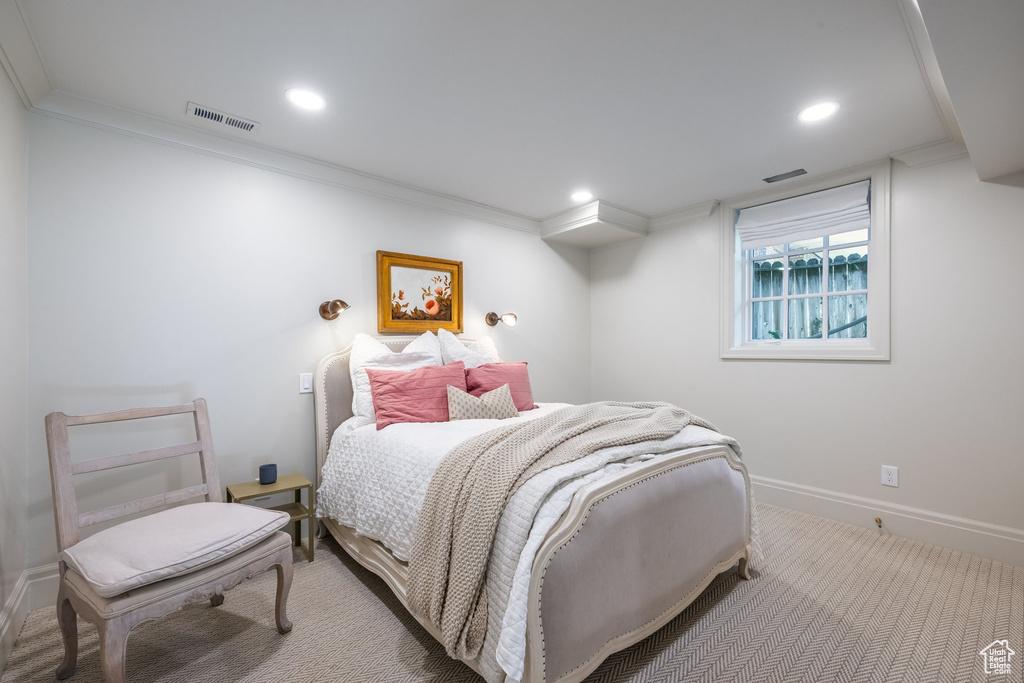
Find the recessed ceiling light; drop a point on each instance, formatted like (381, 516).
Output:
(582, 196)
(817, 112)
(305, 99)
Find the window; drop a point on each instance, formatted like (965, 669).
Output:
(796, 282)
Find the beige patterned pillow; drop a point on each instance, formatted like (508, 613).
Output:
(493, 405)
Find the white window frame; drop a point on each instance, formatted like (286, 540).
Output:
(736, 286)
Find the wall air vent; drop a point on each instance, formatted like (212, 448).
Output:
(785, 176)
(216, 119)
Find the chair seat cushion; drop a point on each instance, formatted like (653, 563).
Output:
(186, 588)
(169, 543)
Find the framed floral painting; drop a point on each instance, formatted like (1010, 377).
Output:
(418, 293)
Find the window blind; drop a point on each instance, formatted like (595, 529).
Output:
(828, 212)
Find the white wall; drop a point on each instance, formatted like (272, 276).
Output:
(158, 275)
(14, 352)
(946, 410)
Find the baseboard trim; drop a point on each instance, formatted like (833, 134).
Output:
(12, 617)
(1000, 543)
(35, 588)
(43, 583)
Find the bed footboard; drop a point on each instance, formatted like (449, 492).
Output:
(629, 555)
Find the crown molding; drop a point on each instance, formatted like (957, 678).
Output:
(929, 65)
(94, 114)
(931, 153)
(594, 224)
(674, 219)
(20, 57)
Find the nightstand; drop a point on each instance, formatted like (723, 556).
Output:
(288, 482)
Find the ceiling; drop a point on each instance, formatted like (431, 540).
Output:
(653, 105)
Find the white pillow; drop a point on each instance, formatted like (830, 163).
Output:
(368, 352)
(169, 543)
(474, 355)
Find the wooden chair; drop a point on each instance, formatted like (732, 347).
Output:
(250, 543)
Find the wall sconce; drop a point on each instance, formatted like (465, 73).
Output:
(329, 310)
(509, 319)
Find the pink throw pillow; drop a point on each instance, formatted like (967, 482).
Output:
(417, 396)
(490, 376)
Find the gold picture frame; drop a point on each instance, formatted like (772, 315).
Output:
(418, 293)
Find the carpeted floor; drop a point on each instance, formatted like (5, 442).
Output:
(829, 602)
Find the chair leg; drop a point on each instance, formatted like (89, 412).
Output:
(67, 618)
(217, 601)
(113, 648)
(284, 584)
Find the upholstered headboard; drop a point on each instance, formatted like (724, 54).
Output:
(332, 394)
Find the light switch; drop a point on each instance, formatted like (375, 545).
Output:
(305, 382)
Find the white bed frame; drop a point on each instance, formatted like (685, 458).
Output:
(689, 511)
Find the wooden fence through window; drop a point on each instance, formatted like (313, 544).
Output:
(847, 313)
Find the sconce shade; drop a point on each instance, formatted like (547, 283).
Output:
(509, 319)
(329, 310)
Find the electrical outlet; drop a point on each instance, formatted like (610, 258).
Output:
(305, 382)
(890, 476)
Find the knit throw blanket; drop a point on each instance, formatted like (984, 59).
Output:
(469, 490)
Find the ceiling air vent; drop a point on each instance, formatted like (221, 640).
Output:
(785, 176)
(219, 118)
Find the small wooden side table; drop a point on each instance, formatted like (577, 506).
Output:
(287, 482)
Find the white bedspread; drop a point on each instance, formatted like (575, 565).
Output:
(375, 481)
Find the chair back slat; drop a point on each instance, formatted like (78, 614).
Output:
(141, 505)
(130, 414)
(112, 461)
(65, 503)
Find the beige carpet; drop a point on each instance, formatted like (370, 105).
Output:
(829, 602)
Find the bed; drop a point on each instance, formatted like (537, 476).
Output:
(622, 555)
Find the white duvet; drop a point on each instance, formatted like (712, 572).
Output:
(375, 481)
